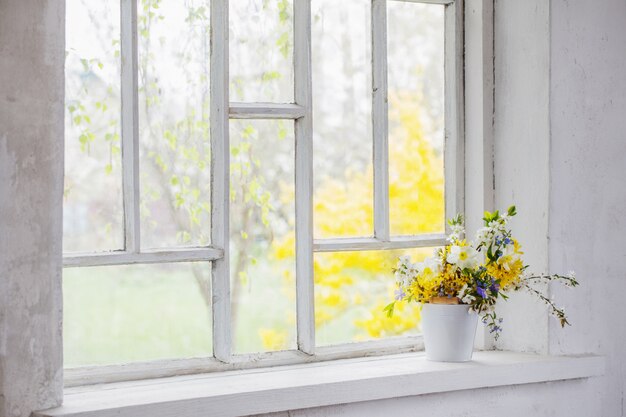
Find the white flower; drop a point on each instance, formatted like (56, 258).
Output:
(464, 257)
(399, 275)
(456, 231)
(430, 268)
(509, 256)
(484, 235)
(405, 271)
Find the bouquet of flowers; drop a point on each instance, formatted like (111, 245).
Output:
(475, 273)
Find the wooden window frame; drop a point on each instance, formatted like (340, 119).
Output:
(222, 110)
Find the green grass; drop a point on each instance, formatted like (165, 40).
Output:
(140, 313)
(133, 313)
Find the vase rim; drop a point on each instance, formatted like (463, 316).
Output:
(447, 305)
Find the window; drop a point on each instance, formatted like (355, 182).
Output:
(240, 176)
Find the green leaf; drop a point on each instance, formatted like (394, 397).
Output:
(248, 131)
(283, 44)
(270, 75)
(171, 139)
(180, 200)
(183, 236)
(389, 309)
(243, 276)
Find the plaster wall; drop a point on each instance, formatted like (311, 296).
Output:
(521, 153)
(587, 188)
(31, 189)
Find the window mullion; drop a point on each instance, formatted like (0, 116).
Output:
(259, 111)
(380, 119)
(304, 178)
(454, 122)
(443, 2)
(220, 180)
(153, 256)
(130, 128)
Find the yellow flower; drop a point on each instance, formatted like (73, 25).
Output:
(379, 325)
(343, 207)
(273, 339)
(509, 267)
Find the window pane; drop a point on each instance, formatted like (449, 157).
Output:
(174, 122)
(416, 117)
(351, 290)
(120, 314)
(262, 248)
(342, 118)
(261, 50)
(93, 219)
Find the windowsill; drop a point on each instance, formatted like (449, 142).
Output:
(240, 393)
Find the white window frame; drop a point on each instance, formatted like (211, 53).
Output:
(222, 110)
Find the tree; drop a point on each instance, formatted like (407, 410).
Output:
(351, 287)
(362, 282)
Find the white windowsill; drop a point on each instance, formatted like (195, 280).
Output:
(240, 393)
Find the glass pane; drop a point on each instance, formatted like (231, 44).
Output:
(93, 212)
(261, 50)
(174, 122)
(262, 249)
(351, 290)
(416, 117)
(342, 118)
(119, 314)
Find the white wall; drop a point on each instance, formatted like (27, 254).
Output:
(31, 189)
(522, 144)
(588, 174)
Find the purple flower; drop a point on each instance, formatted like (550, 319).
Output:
(399, 294)
(495, 287)
(481, 291)
(495, 329)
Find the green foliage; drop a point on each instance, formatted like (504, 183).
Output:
(456, 220)
(389, 309)
(283, 44)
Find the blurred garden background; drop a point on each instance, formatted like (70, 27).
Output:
(120, 314)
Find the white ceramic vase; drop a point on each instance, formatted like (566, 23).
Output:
(449, 332)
